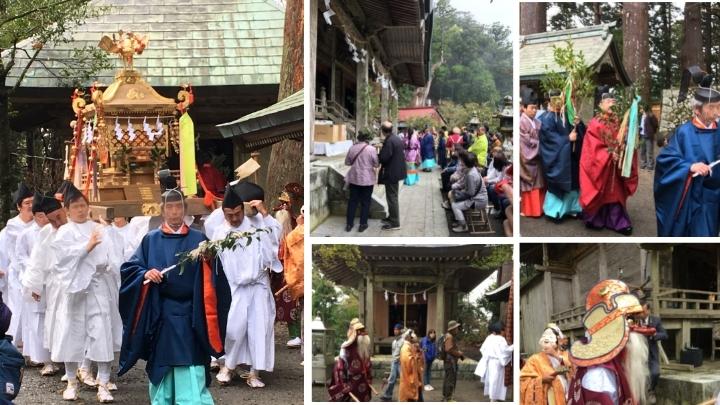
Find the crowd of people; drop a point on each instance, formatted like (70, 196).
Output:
(411, 365)
(475, 167)
(84, 293)
(617, 363)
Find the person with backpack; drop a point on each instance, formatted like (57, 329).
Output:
(450, 354)
(11, 361)
(427, 344)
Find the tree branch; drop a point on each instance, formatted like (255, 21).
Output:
(24, 71)
(35, 10)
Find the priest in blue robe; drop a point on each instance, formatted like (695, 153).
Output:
(177, 320)
(560, 146)
(687, 189)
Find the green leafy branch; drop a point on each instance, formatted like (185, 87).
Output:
(212, 248)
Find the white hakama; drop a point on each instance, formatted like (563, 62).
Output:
(86, 308)
(496, 354)
(250, 336)
(14, 300)
(32, 323)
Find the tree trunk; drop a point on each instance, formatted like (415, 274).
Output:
(636, 44)
(707, 36)
(6, 177)
(668, 51)
(691, 50)
(597, 14)
(533, 18)
(287, 157)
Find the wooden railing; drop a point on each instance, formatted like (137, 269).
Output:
(570, 318)
(332, 109)
(675, 302)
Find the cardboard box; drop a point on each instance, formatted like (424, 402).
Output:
(330, 133)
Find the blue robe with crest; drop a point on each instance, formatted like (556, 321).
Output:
(179, 322)
(685, 205)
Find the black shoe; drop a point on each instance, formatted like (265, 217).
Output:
(386, 221)
(593, 227)
(390, 227)
(362, 227)
(555, 220)
(626, 231)
(348, 228)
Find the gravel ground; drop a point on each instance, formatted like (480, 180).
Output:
(283, 386)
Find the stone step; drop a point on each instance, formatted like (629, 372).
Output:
(466, 369)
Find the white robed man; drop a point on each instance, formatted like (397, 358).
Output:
(33, 328)
(87, 273)
(23, 198)
(496, 354)
(250, 332)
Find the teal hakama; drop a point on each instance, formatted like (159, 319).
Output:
(428, 164)
(556, 207)
(183, 385)
(412, 174)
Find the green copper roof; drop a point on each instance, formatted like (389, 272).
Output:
(536, 50)
(287, 111)
(204, 42)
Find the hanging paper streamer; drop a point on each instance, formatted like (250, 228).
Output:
(373, 66)
(188, 177)
(414, 300)
(159, 128)
(131, 131)
(329, 13)
(118, 130)
(386, 295)
(424, 296)
(395, 299)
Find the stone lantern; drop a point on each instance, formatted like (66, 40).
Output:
(323, 353)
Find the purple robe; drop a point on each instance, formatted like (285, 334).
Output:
(530, 162)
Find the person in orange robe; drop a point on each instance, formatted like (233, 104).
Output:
(544, 379)
(532, 181)
(412, 364)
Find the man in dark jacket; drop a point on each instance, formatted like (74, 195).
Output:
(392, 172)
(652, 321)
(648, 129)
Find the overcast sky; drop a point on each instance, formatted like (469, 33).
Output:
(487, 13)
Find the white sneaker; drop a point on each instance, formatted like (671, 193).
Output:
(214, 365)
(86, 378)
(429, 387)
(294, 343)
(111, 386)
(48, 370)
(225, 376)
(254, 382)
(70, 393)
(103, 395)
(64, 378)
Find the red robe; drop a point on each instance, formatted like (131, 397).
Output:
(600, 179)
(578, 395)
(351, 374)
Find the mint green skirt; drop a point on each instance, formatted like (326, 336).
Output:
(182, 385)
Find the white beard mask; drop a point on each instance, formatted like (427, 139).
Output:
(635, 366)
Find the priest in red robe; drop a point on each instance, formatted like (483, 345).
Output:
(603, 191)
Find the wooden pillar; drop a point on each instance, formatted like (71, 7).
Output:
(684, 338)
(547, 287)
(577, 293)
(440, 306)
(384, 104)
(311, 63)
(654, 265)
(602, 263)
(362, 300)
(370, 306)
(333, 67)
(361, 112)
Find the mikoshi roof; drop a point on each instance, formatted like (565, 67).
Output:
(415, 261)
(595, 42)
(203, 42)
